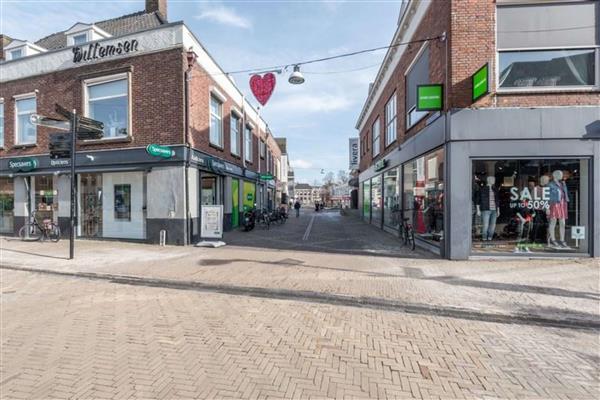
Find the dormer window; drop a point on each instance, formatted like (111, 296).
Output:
(21, 48)
(16, 54)
(81, 33)
(80, 39)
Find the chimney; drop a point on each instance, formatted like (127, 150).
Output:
(157, 5)
(4, 41)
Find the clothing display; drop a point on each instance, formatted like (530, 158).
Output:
(488, 227)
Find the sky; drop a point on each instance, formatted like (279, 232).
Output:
(316, 117)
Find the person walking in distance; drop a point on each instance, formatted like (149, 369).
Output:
(297, 208)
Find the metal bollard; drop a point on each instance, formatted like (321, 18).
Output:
(163, 238)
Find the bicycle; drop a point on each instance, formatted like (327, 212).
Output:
(408, 233)
(33, 231)
(264, 219)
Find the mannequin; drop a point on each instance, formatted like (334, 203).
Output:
(488, 208)
(525, 216)
(559, 199)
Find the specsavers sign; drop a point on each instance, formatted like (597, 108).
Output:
(430, 97)
(23, 164)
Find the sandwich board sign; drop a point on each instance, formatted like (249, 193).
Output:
(211, 226)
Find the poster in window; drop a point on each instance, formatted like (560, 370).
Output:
(123, 202)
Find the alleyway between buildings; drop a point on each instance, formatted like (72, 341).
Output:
(323, 306)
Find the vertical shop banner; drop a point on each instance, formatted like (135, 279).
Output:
(235, 203)
(353, 153)
(212, 222)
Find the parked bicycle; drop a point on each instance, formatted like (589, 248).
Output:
(407, 233)
(33, 231)
(264, 219)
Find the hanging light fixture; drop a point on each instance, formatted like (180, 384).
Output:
(296, 77)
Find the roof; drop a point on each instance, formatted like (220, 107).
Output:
(302, 186)
(119, 26)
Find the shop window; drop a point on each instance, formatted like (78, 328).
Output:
(209, 190)
(46, 197)
(248, 147)
(366, 201)
(391, 199)
(417, 74)
(26, 131)
(235, 135)
(216, 122)
(376, 201)
(376, 137)
(91, 205)
(7, 204)
(424, 196)
(122, 203)
(108, 102)
(547, 68)
(1, 124)
(530, 206)
(390, 120)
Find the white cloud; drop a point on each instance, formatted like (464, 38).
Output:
(225, 16)
(299, 163)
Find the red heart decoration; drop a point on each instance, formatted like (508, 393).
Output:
(262, 87)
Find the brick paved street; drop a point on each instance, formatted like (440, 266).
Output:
(329, 316)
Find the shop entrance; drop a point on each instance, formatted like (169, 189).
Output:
(209, 194)
(45, 198)
(124, 205)
(91, 205)
(7, 201)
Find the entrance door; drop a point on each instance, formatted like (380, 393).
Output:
(123, 213)
(208, 196)
(91, 205)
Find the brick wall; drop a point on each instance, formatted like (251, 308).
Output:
(156, 95)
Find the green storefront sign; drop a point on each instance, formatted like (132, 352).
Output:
(266, 177)
(23, 164)
(430, 97)
(480, 83)
(381, 164)
(157, 150)
(249, 197)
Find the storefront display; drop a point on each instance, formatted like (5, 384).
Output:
(46, 198)
(376, 201)
(7, 201)
(391, 199)
(529, 206)
(424, 196)
(91, 205)
(366, 200)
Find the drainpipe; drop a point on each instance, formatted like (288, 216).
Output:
(191, 59)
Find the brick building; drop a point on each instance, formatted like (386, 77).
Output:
(154, 86)
(508, 170)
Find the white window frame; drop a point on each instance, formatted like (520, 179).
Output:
(548, 89)
(248, 143)
(1, 123)
(21, 52)
(85, 36)
(17, 113)
(238, 122)
(376, 140)
(220, 117)
(391, 125)
(107, 79)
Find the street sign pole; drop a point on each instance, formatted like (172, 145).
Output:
(73, 185)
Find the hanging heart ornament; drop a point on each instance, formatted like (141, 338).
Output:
(262, 87)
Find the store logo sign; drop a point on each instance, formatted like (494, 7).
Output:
(381, 164)
(430, 97)
(526, 199)
(160, 151)
(23, 164)
(354, 155)
(96, 51)
(480, 83)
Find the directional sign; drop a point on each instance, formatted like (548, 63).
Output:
(266, 177)
(40, 120)
(87, 128)
(59, 145)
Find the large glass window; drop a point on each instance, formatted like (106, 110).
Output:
(375, 136)
(391, 199)
(235, 135)
(424, 195)
(376, 201)
(216, 122)
(530, 206)
(108, 102)
(123, 202)
(248, 147)
(26, 131)
(390, 120)
(46, 197)
(547, 68)
(7, 204)
(366, 200)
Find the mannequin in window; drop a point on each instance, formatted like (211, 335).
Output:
(539, 229)
(488, 208)
(559, 199)
(525, 215)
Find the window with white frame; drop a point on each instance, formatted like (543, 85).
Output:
(248, 146)
(216, 122)
(1, 124)
(234, 131)
(16, 54)
(80, 39)
(550, 52)
(417, 74)
(26, 132)
(108, 102)
(263, 148)
(376, 134)
(390, 120)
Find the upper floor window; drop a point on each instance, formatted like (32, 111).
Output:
(248, 145)
(1, 124)
(417, 74)
(263, 148)
(541, 47)
(16, 54)
(26, 132)
(234, 135)
(80, 39)
(216, 122)
(390, 120)
(108, 102)
(376, 135)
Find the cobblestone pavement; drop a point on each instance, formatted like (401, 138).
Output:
(66, 337)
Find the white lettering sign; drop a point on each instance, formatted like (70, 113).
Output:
(354, 153)
(212, 222)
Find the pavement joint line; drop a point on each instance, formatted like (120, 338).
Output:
(308, 228)
(326, 298)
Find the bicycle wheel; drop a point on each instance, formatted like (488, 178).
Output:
(53, 232)
(30, 232)
(411, 238)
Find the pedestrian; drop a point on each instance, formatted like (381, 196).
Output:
(297, 208)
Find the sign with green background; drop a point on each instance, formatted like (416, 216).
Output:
(235, 203)
(430, 97)
(480, 83)
(157, 150)
(249, 195)
(266, 177)
(23, 164)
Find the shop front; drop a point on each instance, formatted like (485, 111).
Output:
(7, 205)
